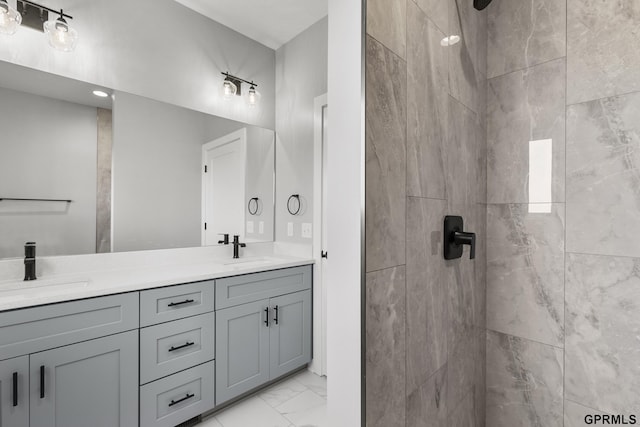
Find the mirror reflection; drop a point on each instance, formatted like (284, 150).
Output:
(82, 173)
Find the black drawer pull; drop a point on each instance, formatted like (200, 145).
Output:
(276, 318)
(266, 320)
(187, 301)
(42, 382)
(175, 402)
(15, 389)
(180, 347)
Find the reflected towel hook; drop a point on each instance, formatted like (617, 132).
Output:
(253, 205)
(296, 211)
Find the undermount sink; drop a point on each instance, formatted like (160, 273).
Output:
(248, 262)
(43, 287)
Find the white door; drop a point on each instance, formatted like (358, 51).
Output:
(319, 363)
(223, 187)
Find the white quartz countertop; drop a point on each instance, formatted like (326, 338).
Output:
(68, 287)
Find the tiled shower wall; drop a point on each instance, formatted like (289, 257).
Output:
(425, 158)
(563, 219)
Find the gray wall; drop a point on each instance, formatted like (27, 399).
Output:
(301, 76)
(260, 182)
(47, 150)
(157, 176)
(425, 158)
(154, 48)
(563, 272)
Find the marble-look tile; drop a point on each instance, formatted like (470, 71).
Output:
(387, 23)
(464, 70)
(480, 289)
(427, 405)
(427, 291)
(522, 34)
(248, 411)
(524, 383)
(386, 121)
(480, 386)
(428, 104)
(525, 278)
(104, 166)
(602, 55)
(602, 345)
(603, 176)
(436, 10)
(525, 116)
(313, 382)
(575, 415)
(385, 353)
(306, 409)
(461, 367)
(464, 414)
(283, 391)
(463, 288)
(462, 167)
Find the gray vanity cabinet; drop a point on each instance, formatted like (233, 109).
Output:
(242, 349)
(290, 333)
(14, 392)
(93, 383)
(261, 341)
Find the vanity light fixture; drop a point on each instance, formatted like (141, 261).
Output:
(61, 36)
(10, 18)
(232, 85)
(29, 14)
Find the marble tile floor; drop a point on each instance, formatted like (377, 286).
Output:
(296, 401)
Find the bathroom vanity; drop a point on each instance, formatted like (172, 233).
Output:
(129, 348)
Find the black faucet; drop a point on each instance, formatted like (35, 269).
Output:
(225, 240)
(30, 261)
(236, 246)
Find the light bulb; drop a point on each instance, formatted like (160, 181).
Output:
(253, 97)
(10, 19)
(228, 89)
(61, 36)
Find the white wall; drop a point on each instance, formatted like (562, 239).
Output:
(154, 48)
(48, 149)
(301, 76)
(346, 216)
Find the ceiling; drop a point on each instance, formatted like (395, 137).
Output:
(270, 22)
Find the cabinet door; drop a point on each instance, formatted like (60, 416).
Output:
(14, 392)
(242, 349)
(93, 383)
(290, 330)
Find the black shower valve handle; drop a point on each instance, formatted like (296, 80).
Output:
(455, 238)
(465, 238)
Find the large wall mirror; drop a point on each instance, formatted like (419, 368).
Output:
(81, 174)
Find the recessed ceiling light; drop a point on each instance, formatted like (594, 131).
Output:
(100, 93)
(450, 41)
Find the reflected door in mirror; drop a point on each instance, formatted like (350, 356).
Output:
(224, 186)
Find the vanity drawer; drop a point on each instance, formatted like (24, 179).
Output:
(238, 290)
(176, 302)
(41, 328)
(175, 346)
(178, 398)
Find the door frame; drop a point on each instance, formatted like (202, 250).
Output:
(218, 142)
(319, 362)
